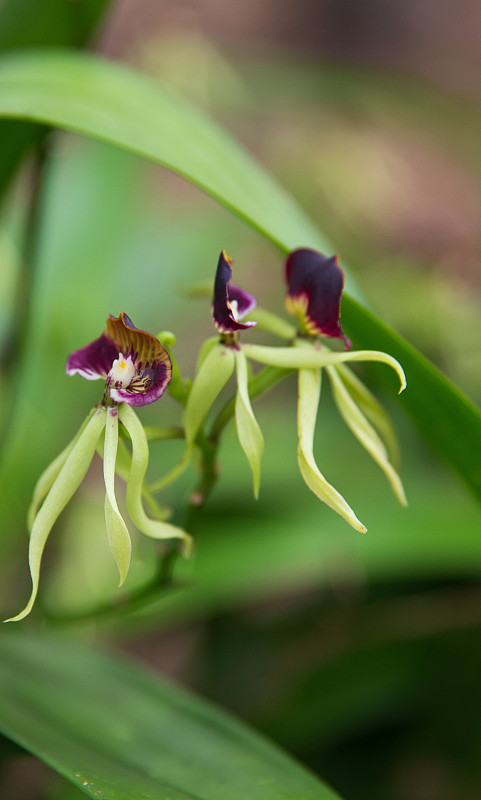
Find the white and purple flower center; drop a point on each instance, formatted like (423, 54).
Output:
(122, 372)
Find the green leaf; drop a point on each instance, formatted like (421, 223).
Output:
(27, 24)
(113, 104)
(120, 732)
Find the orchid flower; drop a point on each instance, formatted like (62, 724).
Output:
(218, 359)
(136, 370)
(315, 285)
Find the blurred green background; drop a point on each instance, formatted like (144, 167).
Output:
(360, 655)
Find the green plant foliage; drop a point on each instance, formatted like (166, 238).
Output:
(49, 23)
(111, 103)
(117, 731)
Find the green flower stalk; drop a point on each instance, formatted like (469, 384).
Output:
(136, 369)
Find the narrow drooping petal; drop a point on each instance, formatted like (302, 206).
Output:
(316, 356)
(122, 468)
(248, 431)
(372, 410)
(66, 484)
(315, 283)
(51, 473)
(309, 391)
(230, 303)
(117, 533)
(364, 432)
(140, 459)
(213, 374)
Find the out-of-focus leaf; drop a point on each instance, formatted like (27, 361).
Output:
(49, 23)
(117, 731)
(114, 104)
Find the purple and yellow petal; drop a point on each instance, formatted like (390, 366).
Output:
(141, 346)
(230, 303)
(315, 284)
(151, 360)
(137, 368)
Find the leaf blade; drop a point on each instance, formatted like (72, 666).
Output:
(111, 727)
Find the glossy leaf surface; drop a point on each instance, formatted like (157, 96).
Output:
(118, 731)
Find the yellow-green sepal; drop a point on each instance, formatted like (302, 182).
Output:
(364, 432)
(154, 528)
(316, 355)
(117, 532)
(372, 410)
(214, 371)
(248, 431)
(309, 393)
(51, 473)
(63, 488)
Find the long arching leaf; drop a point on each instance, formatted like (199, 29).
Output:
(118, 731)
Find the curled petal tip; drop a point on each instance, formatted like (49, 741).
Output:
(230, 303)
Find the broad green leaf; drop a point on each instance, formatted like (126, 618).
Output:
(27, 24)
(118, 731)
(113, 104)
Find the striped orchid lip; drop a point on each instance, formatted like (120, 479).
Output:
(135, 366)
(230, 304)
(314, 288)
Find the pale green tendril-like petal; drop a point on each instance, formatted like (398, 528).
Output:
(309, 392)
(140, 458)
(122, 468)
(50, 474)
(373, 410)
(248, 431)
(364, 432)
(214, 372)
(318, 356)
(117, 533)
(64, 487)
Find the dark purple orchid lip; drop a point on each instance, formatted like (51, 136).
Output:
(314, 289)
(136, 367)
(230, 303)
